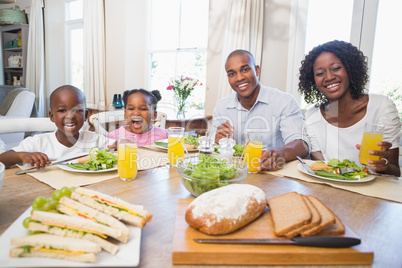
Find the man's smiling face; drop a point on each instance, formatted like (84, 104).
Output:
(242, 74)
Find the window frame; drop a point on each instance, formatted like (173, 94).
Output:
(362, 35)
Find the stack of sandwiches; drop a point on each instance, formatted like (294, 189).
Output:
(294, 214)
(90, 218)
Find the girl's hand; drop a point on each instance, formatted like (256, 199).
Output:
(40, 160)
(113, 146)
(380, 165)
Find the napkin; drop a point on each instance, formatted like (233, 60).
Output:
(381, 187)
(58, 178)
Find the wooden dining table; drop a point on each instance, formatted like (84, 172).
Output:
(377, 222)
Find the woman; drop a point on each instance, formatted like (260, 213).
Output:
(334, 75)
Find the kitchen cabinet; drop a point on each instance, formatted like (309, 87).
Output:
(14, 48)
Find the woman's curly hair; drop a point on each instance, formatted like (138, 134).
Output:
(351, 57)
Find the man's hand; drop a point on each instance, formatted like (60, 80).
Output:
(271, 160)
(223, 130)
(40, 160)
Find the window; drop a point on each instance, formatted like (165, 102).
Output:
(366, 24)
(386, 64)
(74, 43)
(178, 46)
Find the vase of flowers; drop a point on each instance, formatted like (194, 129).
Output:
(182, 86)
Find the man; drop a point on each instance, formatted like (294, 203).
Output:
(256, 107)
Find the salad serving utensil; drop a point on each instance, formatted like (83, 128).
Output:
(185, 149)
(51, 164)
(307, 167)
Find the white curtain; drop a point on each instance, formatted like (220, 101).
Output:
(243, 30)
(36, 57)
(94, 52)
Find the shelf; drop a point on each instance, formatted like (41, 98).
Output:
(15, 49)
(14, 68)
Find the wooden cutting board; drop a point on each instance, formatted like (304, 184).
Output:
(186, 251)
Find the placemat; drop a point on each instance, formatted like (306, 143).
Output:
(381, 187)
(58, 178)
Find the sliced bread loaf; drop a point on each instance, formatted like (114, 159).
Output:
(327, 217)
(289, 211)
(315, 220)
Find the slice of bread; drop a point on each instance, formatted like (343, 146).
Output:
(327, 217)
(74, 208)
(336, 228)
(315, 220)
(52, 246)
(289, 211)
(64, 232)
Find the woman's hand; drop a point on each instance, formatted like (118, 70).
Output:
(382, 164)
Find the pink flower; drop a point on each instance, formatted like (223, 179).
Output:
(170, 87)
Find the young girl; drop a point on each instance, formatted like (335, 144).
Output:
(139, 111)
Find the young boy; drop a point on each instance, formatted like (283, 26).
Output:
(67, 111)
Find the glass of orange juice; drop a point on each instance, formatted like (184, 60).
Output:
(373, 133)
(253, 150)
(127, 159)
(175, 149)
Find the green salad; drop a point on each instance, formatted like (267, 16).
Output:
(100, 159)
(188, 139)
(191, 140)
(213, 171)
(338, 165)
(239, 148)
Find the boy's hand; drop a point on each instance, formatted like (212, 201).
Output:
(40, 160)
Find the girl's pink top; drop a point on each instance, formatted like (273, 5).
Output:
(147, 138)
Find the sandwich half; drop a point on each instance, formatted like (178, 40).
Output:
(64, 225)
(76, 209)
(52, 246)
(113, 206)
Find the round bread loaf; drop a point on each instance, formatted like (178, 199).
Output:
(226, 209)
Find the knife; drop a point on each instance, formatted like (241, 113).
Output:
(311, 241)
(307, 167)
(51, 164)
(149, 148)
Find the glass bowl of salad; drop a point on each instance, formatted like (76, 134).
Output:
(201, 173)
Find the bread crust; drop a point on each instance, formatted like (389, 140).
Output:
(104, 244)
(242, 204)
(289, 211)
(327, 217)
(84, 195)
(336, 228)
(76, 209)
(19, 252)
(315, 219)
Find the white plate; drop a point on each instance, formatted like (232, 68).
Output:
(166, 140)
(66, 168)
(127, 256)
(309, 162)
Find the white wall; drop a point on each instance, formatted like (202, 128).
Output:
(126, 45)
(127, 26)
